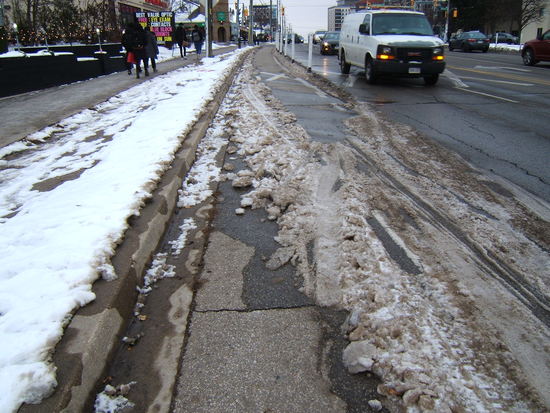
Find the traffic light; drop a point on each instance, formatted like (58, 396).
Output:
(455, 13)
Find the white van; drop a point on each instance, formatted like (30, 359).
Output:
(391, 42)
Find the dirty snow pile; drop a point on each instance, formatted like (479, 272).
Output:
(113, 399)
(419, 333)
(67, 192)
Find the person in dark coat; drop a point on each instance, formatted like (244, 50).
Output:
(180, 35)
(127, 43)
(197, 37)
(151, 50)
(139, 49)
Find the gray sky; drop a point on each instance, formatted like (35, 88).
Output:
(306, 16)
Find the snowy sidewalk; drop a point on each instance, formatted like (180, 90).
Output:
(26, 113)
(67, 194)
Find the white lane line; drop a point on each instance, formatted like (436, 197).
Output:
(498, 81)
(488, 95)
(455, 79)
(498, 68)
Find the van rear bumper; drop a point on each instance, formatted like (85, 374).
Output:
(408, 69)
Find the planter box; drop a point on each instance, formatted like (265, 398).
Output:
(25, 74)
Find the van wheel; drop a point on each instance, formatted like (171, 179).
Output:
(344, 66)
(431, 79)
(370, 73)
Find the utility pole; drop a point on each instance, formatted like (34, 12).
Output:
(446, 35)
(250, 24)
(238, 24)
(208, 23)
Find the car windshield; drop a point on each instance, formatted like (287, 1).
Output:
(395, 23)
(331, 36)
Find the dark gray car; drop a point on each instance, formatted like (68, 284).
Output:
(504, 38)
(469, 41)
(329, 43)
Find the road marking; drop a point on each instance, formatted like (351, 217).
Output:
(276, 77)
(501, 68)
(503, 75)
(273, 76)
(455, 79)
(498, 81)
(318, 91)
(488, 95)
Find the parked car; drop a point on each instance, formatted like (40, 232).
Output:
(318, 36)
(469, 41)
(330, 43)
(536, 50)
(504, 38)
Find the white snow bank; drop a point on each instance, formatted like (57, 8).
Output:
(65, 199)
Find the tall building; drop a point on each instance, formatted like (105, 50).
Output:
(263, 15)
(336, 16)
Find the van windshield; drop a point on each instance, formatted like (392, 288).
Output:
(396, 23)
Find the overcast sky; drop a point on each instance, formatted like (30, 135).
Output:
(305, 16)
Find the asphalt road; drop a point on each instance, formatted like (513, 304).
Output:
(487, 107)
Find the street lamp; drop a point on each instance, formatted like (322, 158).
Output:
(17, 45)
(99, 39)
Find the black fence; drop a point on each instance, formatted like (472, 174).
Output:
(40, 71)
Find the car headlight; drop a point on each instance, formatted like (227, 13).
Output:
(438, 54)
(385, 53)
(325, 44)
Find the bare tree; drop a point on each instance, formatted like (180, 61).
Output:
(531, 12)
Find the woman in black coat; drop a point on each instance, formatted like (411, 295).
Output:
(127, 43)
(180, 36)
(139, 49)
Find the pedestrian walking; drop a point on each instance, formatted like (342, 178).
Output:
(197, 37)
(139, 49)
(151, 50)
(127, 43)
(180, 36)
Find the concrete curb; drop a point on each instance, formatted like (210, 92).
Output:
(89, 341)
